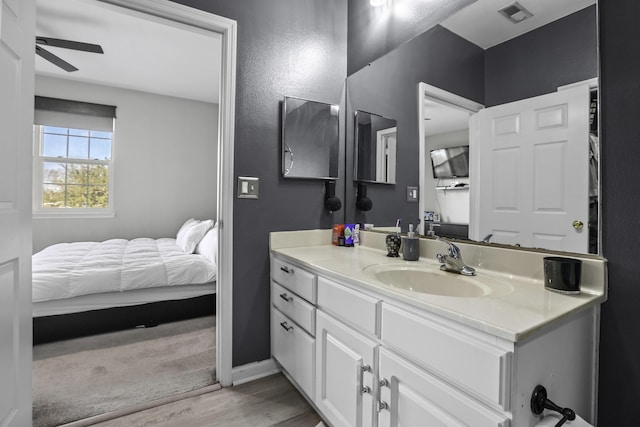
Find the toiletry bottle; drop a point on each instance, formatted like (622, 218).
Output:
(411, 246)
(356, 236)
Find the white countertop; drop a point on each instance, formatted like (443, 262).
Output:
(519, 306)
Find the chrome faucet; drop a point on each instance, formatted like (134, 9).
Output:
(453, 261)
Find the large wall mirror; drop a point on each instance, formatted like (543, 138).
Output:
(479, 56)
(376, 139)
(310, 139)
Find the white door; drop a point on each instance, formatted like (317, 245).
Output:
(345, 363)
(409, 396)
(529, 169)
(17, 53)
(386, 155)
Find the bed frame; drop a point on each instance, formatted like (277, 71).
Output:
(74, 325)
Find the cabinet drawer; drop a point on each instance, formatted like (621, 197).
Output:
(294, 349)
(295, 279)
(468, 362)
(300, 311)
(352, 307)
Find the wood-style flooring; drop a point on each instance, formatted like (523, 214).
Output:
(270, 401)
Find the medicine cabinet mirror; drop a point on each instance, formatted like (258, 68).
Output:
(376, 139)
(310, 139)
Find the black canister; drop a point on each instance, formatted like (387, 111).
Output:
(562, 274)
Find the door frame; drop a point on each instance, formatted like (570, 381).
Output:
(446, 98)
(227, 29)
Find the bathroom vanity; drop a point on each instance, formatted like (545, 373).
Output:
(377, 341)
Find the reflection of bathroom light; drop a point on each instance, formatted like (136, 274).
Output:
(378, 3)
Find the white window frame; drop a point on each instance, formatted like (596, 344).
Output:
(38, 165)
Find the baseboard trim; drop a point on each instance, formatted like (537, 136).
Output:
(253, 371)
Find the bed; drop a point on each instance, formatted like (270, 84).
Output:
(83, 288)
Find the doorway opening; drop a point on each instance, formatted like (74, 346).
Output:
(193, 22)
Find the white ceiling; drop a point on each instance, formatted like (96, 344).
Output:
(143, 53)
(483, 25)
(440, 118)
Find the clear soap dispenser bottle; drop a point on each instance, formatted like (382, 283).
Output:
(411, 246)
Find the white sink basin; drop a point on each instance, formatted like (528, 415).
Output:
(428, 279)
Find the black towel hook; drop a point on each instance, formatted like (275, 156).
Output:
(539, 403)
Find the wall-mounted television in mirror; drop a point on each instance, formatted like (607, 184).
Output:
(375, 159)
(310, 139)
(451, 162)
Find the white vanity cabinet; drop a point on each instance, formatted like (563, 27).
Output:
(365, 358)
(293, 294)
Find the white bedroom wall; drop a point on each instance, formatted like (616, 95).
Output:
(165, 164)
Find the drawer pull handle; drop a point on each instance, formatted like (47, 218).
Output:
(286, 327)
(383, 406)
(286, 297)
(287, 269)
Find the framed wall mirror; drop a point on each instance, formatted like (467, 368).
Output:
(490, 63)
(310, 139)
(376, 140)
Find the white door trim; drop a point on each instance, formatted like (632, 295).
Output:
(426, 91)
(227, 28)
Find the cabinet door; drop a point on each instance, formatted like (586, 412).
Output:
(294, 349)
(409, 396)
(345, 373)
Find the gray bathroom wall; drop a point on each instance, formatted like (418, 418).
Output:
(376, 31)
(389, 87)
(619, 36)
(285, 47)
(538, 62)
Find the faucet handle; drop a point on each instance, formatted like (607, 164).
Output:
(454, 251)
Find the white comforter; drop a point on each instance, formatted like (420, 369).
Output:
(67, 270)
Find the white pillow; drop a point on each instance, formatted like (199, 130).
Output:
(183, 229)
(208, 246)
(193, 235)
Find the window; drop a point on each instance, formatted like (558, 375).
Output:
(72, 163)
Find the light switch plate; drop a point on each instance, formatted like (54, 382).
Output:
(412, 194)
(248, 187)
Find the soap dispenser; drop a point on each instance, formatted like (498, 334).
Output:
(411, 246)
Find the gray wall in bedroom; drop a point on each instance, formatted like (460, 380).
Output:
(165, 166)
(285, 47)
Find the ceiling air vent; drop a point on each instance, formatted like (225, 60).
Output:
(515, 13)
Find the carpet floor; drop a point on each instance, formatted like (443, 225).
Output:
(83, 377)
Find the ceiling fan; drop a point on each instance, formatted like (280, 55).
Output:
(66, 44)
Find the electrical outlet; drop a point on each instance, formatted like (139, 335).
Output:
(248, 187)
(412, 194)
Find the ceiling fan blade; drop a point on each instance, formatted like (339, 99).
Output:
(55, 60)
(69, 44)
